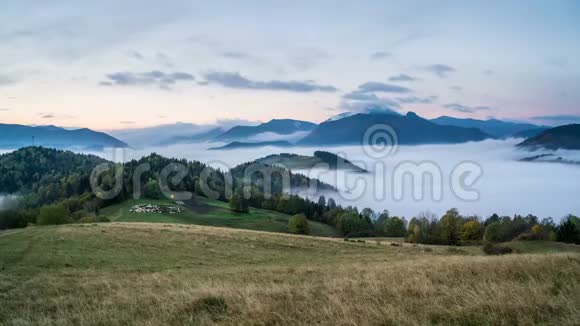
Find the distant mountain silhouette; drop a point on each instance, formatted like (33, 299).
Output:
(493, 127)
(201, 137)
(238, 145)
(277, 126)
(371, 109)
(563, 137)
(528, 133)
(17, 136)
(410, 129)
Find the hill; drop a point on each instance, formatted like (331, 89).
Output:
(276, 126)
(528, 133)
(161, 274)
(45, 174)
(295, 161)
(563, 137)
(203, 211)
(410, 129)
(17, 136)
(493, 127)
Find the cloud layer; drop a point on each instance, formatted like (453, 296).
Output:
(440, 70)
(152, 78)
(466, 108)
(235, 80)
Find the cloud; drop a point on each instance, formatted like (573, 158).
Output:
(358, 101)
(558, 118)
(359, 96)
(402, 78)
(164, 60)
(380, 55)
(380, 105)
(416, 100)
(151, 78)
(6, 80)
(4, 109)
(235, 55)
(456, 88)
(51, 115)
(440, 70)
(235, 80)
(488, 72)
(135, 55)
(466, 108)
(370, 87)
(128, 122)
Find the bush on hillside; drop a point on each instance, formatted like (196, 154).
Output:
(298, 224)
(493, 249)
(53, 215)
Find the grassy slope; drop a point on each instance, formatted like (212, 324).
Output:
(218, 214)
(158, 274)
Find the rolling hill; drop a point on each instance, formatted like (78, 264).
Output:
(563, 137)
(320, 158)
(17, 136)
(410, 129)
(169, 274)
(204, 211)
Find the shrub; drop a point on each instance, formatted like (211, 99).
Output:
(102, 219)
(492, 249)
(212, 305)
(569, 230)
(53, 215)
(152, 190)
(10, 220)
(239, 204)
(298, 224)
(86, 220)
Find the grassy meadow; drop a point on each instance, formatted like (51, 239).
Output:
(212, 213)
(160, 274)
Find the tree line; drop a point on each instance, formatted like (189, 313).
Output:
(54, 186)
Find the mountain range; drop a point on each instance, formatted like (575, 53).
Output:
(276, 126)
(493, 127)
(344, 129)
(241, 145)
(410, 129)
(17, 136)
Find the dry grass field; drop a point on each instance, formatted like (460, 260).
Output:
(162, 274)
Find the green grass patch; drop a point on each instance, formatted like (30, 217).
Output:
(541, 247)
(214, 213)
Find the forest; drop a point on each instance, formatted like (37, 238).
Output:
(53, 187)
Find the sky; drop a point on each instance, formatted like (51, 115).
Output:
(112, 64)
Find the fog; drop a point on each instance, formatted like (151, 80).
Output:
(506, 186)
(8, 202)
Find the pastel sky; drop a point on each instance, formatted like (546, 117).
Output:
(113, 64)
